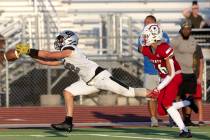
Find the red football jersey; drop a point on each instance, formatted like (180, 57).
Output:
(158, 58)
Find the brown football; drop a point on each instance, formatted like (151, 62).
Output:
(11, 55)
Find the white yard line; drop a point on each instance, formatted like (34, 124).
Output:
(124, 124)
(200, 132)
(130, 137)
(98, 135)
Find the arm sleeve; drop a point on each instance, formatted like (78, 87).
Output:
(165, 51)
(168, 78)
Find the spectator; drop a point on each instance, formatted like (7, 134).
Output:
(194, 16)
(185, 49)
(198, 65)
(151, 78)
(2, 48)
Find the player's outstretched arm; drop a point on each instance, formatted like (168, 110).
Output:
(49, 63)
(54, 55)
(34, 53)
(24, 48)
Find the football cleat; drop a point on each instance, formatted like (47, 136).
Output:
(154, 122)
(185, 134)
(64, 126)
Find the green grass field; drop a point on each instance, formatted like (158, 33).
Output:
(139, 133)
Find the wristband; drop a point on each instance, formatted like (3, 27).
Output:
(34, 53)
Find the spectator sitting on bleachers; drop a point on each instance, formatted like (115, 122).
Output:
(194, 16)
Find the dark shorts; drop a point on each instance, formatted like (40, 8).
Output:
(188, 85)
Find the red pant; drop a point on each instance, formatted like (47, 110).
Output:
(198, 94)
(168, 94)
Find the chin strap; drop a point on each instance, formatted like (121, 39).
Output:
(5, 58)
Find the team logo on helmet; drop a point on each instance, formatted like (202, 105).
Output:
(65, 38)
(151, 34)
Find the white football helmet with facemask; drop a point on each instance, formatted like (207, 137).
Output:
(151, 34)
(65, 39)
(76, 61)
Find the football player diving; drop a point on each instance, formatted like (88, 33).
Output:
(92, 77)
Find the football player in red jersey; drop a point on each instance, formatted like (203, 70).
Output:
(161, 55)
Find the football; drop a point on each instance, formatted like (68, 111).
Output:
(11, 55)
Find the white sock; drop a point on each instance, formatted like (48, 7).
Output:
(180, 104)
(176, 118)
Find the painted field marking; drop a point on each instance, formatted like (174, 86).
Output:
(130, 137)
(98, 135)
(200, 132)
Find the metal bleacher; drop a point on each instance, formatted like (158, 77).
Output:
(18, 23)
(85, 16)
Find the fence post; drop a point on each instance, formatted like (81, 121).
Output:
(110, 34)
(130, 35)
(118, 31)
(7, 82)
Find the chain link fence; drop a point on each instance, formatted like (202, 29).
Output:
(28, 89)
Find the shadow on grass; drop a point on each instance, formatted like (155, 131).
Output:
(141, 131)
(122, 118)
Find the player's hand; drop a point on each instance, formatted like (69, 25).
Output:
(22, 48)
(153, 94)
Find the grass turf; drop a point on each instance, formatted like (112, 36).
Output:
(138, 133)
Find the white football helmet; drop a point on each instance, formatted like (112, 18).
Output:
(151, 34)
(66, 38)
